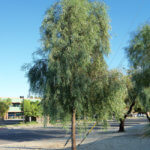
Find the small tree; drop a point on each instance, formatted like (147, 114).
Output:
(130, 100)
(36, 109)
(138, 53)
(4, 106)
(31, 109)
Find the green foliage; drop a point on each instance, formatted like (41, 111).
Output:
(138, 53)
(4, 106)
(144, 100)
(72, 73)
(132, 90)
(31, 108)
(26, 108)
(141, 77)
(138, 50)
(74, 40)
(116, 93)
(108, 99)
(37, 75)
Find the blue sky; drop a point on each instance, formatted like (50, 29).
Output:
(20, 21)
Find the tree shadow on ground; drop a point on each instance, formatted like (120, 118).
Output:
(20, 135)
(132, 139)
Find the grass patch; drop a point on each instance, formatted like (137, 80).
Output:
(28, 123)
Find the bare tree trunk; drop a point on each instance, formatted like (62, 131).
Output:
(73, 130)
(121, 126)
(147, 116)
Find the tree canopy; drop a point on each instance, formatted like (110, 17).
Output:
(31, 108)
(74, 39)
(107, 98)
(4, 106)
(138, 53)
(144, 99)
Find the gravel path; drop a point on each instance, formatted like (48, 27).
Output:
(132, 139)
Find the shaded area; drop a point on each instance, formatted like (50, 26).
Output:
(110, 140)
(10, 122)
(128, 123)
(57, 133)
(20, 135)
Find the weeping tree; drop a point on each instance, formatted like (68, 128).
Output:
(31, 109)
(72, 75)
(4, 106)
(130, 100)
(138, 53)
(74, 36)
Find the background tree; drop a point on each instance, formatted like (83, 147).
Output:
(4, 107)
(107, 97)
(115, 93)
(31, 109)
(144, 100)
(138, 53)
(130, 100)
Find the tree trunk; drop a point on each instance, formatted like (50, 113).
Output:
(30, 119)
(121, 126)
(147, 116)
(73, 130)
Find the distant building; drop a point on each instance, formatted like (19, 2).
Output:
(15, 111)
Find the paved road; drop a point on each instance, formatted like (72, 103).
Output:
(10, 135)
(20, 135)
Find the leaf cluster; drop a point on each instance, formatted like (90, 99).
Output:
(31, 108)
(138, 53)
(4, 106)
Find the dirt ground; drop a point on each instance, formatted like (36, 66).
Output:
(101, 139)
